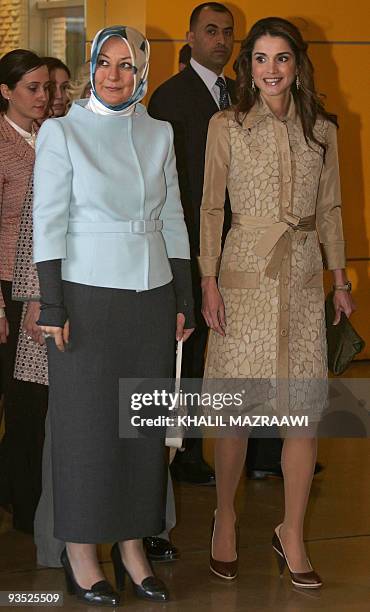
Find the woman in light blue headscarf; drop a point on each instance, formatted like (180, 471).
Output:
(112, 255)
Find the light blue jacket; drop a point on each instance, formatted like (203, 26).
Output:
(107, 200)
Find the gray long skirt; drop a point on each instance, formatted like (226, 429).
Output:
(107, 488)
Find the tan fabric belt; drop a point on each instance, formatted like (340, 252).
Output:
(276, 237)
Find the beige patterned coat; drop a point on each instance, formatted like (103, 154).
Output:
(285, 202)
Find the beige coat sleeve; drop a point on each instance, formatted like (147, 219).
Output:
(214, 190)
(328, 209)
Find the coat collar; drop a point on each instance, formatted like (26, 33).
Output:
(21, 148)
(261, 110)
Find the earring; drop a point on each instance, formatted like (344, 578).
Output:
(297, 82)
(253, 85)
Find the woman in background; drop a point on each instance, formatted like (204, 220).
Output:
(60, 76)
(24, 92)
(31, 358)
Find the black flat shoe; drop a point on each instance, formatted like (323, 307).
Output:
(160, 549)
(100, 594)
(151, 587)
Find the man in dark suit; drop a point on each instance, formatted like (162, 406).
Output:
(188, 100)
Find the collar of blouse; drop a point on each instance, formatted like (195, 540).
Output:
(261, 110)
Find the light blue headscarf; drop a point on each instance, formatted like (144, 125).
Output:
(139, 50)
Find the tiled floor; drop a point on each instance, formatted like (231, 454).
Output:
(337, 532)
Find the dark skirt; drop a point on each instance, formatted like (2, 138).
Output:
(107, 488)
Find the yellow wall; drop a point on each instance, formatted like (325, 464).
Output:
(340, 51)
(102, 13)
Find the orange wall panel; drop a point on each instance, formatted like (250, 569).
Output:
(102, 13)
(127, 13)
(320, 19)
(94, 18)
(340, 75)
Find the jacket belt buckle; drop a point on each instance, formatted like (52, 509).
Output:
(138, 226)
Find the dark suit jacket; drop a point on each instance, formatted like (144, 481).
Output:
(187, 104)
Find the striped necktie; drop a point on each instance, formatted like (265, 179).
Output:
(224, 95)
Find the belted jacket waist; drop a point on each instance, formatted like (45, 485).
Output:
(134, 226)
(276, 237)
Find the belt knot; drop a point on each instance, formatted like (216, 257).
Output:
(276, 236)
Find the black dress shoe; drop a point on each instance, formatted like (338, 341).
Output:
(275, 472)
(160, 549)
(193, 472)
(100, 594)
(151, 587)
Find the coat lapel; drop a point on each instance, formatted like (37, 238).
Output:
(200, 92)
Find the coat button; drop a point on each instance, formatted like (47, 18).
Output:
(284, 332)
(285, 307)
(287, 179)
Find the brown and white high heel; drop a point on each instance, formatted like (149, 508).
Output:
(228, 570)
(305, 580)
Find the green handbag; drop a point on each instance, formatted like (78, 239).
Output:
(343, 340)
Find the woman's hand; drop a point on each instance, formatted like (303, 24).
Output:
(30, 328)
(213, 308)
(60, 335)
(181, 333)
(343, 302)
(4, 330)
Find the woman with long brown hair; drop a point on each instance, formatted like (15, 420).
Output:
(276, 152)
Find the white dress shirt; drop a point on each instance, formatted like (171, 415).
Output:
(209, 78)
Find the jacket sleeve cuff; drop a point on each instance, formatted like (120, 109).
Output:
(52, 311)
(181, 272)
(53, 315)
(334, 255)
(209, 266)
